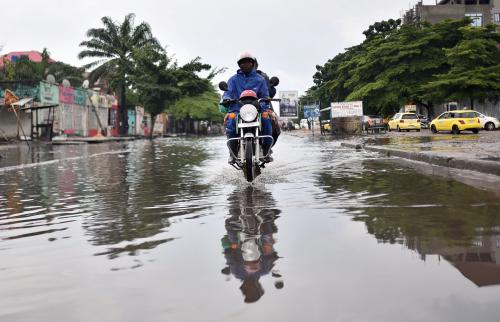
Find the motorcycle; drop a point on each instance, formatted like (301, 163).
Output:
(249, 242)
(250, 157)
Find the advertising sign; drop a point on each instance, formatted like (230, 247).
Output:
(80, 97)
(347, 109)
(49, 94)
(94, 99)
(66, 95)
(289, 104)
(103, 101)
(410, 108)
(311, 111)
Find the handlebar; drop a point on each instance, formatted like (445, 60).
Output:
(267, 100)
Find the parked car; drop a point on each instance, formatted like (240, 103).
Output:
(373, 123)
(424, 121)
(456, 121)
(487, 122)
(404, 122)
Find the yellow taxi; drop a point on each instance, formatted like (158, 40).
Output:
(404, 122)
(456, 121)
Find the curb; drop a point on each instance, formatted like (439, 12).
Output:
(484, 166)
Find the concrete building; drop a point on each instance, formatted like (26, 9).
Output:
(482, 12)
(33, 55)
(480, 262)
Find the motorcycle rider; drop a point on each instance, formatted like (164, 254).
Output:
(246, 78)
(249, 243)
(272, 93)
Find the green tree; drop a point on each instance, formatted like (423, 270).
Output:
(160, 83)
(113, 45)
(62, 71)
(26, 70)
(475, 68)
(155, 81)
(390, 67)
(204, 106)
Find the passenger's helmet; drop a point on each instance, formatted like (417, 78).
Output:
(248, 94)
(246, 55)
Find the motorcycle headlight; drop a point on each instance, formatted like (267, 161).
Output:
(248, 113)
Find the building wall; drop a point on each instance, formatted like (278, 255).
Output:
(437, 13)
(8, 124)
(487, 108)
(73, 115)
(495, 9)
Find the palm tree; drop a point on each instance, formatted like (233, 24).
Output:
(113, 45)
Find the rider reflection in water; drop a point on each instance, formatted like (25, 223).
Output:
(249, 243)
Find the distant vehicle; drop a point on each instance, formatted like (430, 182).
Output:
(303, 124)
(404, 122)
(373, 123)
(424, 121)
(296, 126)
(325, 125)
(456, 121)
(487, 122)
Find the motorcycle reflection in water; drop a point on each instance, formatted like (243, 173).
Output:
(249, 243)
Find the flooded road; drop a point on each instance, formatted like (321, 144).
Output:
(167, 231)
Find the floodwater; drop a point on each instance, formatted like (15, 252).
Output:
(166, 231)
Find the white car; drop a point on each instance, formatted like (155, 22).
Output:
(487, 122)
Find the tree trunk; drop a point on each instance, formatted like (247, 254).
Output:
(430, 109)
(153, 120)
(471, 103)
(123, 117)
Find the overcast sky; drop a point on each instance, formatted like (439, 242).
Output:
(289, 37)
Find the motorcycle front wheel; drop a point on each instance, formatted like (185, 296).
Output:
(249, 168)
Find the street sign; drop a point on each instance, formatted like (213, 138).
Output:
(347, 109)
(311, 111)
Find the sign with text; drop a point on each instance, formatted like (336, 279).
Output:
(80, 96)
(347, 109)
(66, 95)
(49, 94)
(311, 111)
(289, 103)
(410, 108)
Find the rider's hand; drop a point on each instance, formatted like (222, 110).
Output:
(226, 102)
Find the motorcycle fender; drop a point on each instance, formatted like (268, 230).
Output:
(248, 135)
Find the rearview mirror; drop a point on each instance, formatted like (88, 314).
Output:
(274, 81)
(223, 86)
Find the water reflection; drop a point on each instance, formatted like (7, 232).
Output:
(430, 215)
(250, 239)
(480, 263)
(138, 195)
(123, 199)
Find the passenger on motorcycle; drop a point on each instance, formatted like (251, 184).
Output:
(272, 92)
(246, 78)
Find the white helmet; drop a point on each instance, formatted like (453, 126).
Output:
(246, 55)
(250, 250)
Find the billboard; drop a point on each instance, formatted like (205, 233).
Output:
(289, 103)
(49, 94)
(347, 109)
(311, 111)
